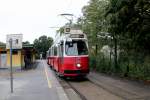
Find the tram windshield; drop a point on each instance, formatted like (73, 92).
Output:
(75, 48)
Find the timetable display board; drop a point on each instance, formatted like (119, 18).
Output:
(16, 41)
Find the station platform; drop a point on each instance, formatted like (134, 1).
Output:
(34, 84)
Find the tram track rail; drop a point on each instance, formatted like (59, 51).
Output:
(94, 88)
(81, 95)
(69, 85)
(85, 89)
(85, 93)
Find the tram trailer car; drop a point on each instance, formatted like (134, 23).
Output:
(69, 54)
(48, 57)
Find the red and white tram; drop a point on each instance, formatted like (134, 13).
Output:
(69, 54)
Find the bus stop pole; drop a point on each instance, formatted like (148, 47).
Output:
(11, 71)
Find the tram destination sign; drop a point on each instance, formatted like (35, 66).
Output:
(16, 41)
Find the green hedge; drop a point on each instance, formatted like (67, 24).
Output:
(132, 66)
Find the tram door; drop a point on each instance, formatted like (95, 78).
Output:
(60, 57)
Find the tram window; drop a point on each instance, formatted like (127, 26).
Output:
(70, 44)
(61, 50)
(49, 52)
(71, 50)
(82, 48)
(55, 51)
(76, 48)
(58, 53)
(52, 51)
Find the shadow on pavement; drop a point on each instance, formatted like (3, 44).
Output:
(76, 79)
(31, 66)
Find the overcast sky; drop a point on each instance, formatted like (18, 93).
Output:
(34, 18)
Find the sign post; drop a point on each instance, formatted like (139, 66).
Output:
(11, 71)
(14, 41)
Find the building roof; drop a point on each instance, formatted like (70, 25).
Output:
(23, 46)
(27, 46)
(2, 46)
(1, 43)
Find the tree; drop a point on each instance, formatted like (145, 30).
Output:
(26, 42)
(130, 20)
(42, 44)
(127, 21)
(93, 22)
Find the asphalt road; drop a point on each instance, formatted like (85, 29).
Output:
(35, 84)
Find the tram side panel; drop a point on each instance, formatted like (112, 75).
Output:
(52, 61)
(56, 63)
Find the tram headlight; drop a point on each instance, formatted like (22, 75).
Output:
(78, 65)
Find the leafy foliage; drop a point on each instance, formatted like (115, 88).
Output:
(42, 44)
(128, 22)
(26, 42)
